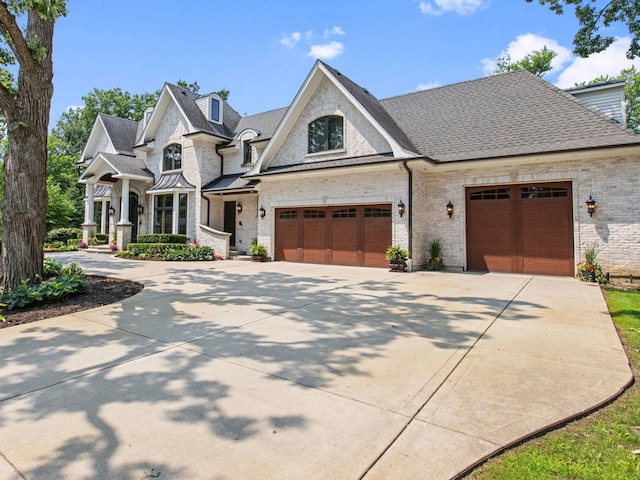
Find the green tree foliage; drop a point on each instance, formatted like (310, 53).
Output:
(65, 207)
(538, 62)
(593, 15)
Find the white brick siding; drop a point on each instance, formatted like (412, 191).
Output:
(614, 227)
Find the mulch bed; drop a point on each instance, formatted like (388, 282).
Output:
(101, 291)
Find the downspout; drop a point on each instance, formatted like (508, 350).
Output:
(410, 202)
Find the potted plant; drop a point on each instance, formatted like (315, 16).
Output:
(590, 270)
(435, 261)
(258, 252)
(397, 257)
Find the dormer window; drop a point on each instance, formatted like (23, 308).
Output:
(147, 115)
(172, 158)
(248, 153)
(215, 110)
(326, 133)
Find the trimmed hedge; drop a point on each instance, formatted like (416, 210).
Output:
(73, 242)
(151, 249)
(103, 238)
(62, 234)
(162, 238)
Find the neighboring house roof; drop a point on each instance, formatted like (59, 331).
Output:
(228, 183)
(510, 114)
(121, 131)
(171, 181)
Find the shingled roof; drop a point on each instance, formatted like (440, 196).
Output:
(121, 131)
(375, 109)
(265, 123)
(510, 114)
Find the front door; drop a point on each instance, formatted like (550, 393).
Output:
(133, 216)
(230, 221)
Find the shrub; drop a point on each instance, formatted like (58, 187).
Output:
(74, 242)
(70, 280)
(188, 253)
(62, 234)
(150, 250)
(162, 238)
(590, 269)
(51, 268)
(102, 238)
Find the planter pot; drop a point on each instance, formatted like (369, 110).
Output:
(397, 266)
(258, 258)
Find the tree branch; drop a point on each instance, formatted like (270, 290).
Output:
(17, 43)
(7, 99)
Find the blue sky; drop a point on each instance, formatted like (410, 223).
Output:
(262, 50)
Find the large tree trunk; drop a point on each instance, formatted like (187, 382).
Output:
(24, 205)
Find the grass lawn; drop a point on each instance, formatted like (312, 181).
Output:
(600, 446)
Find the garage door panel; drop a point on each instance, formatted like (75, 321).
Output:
(530, 230)
(314, 249)
(287, 238)
(489, 232)
(344, 236)
(349, 235)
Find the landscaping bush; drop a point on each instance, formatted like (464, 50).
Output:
(102, 238)
(162, 238)
(69, 280)
(51, 268)
(168, 251)
(73, 242)
(189, 254)
(62, 234)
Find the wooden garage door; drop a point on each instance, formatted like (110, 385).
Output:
(521, 229)
(339, 235)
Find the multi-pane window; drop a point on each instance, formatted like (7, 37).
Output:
(374, 212)
(326, 133)
(182, 213)
(491, 194)
(248, 153)
(215, 110)
(172, 159)
(163, 218)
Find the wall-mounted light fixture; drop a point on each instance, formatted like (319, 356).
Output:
(401, 209)
(591, 206)
(140, 209)
(449, 208)
(112, 211)
(239, 208)
(262, 212)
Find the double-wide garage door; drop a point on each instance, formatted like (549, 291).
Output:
(521, 229)
(339, 235)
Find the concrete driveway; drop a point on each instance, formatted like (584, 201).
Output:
(241, 370)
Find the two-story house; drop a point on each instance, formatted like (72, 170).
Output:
(499, 169)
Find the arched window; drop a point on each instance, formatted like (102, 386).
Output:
(172, 159)
(326, 133)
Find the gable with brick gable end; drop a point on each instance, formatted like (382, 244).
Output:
(499, 169)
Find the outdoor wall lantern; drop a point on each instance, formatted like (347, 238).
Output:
(591, 206)
(262, 212)
(112, 211)
(140, 209)
(449, 208)
(239, 208)
(401, 209)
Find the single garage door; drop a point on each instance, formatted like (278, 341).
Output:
(339, 235)
(521, 229)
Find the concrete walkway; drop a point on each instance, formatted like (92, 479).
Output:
(232, 370)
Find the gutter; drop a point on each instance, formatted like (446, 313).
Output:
(410, 202)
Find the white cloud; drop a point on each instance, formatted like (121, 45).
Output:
(610, 62)
(524, 45)
(427, 86)
(334, 31)
(327, 51)
(461, 7)
(290, 40)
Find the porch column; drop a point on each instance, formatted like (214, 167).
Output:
(104, 224)
(89, 226)
(88, 208)
(176, 212)
(124, 203)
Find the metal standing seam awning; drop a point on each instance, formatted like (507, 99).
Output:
(230, 184)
